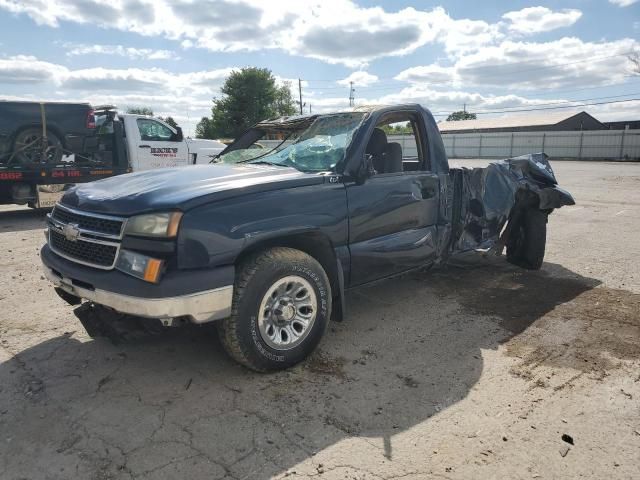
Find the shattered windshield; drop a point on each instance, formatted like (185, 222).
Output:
(317, 148)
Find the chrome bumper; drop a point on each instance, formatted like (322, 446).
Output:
(201, 307)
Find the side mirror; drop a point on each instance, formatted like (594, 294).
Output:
(178, 136)
(366, 169)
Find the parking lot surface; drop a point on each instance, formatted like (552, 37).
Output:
(473, 370)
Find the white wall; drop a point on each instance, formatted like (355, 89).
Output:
(588, 145)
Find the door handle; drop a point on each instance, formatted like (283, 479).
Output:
(144, 146)
(420, 191)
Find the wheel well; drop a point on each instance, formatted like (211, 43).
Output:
(314, 244)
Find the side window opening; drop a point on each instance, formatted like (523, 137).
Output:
(395, 146)
(151, 130)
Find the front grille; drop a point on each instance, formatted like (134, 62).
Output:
(96, 224)
(84, 251)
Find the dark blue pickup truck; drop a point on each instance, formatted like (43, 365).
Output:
(266, 240)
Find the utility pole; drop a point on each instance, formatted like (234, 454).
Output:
(309, 108)
(464, 108)
(352, 91)
(300, 90)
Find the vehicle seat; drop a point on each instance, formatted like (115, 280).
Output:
(376, 148)
(393, 158)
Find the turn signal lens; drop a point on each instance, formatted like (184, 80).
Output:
(152, 272)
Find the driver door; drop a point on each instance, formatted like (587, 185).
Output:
(157, 147)
(393, 215)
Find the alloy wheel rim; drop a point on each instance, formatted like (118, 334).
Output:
(287, 312)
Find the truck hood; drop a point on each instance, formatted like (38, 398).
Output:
(181, 188)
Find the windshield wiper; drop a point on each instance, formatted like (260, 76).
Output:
(265, 162)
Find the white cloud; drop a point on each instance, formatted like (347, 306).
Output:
(568, 62)
(121, 51)
(623, 3)
(616, 111)
(360, 79)
(437, 100)
(463, 36)
(429, 74)
(334, 31)
(23, 69)
(532, 20)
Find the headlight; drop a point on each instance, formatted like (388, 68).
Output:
(140, 266)
(154, 224)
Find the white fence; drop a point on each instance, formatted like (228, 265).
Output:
(586, 145)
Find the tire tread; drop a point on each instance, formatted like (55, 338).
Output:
(227, 328)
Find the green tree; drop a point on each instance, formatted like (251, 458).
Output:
(284, 103)
(204, 129)
(169, 121)
(249, 95)
(461, 115)
(140, 111)
(398, 129)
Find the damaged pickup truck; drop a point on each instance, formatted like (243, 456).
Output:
(266, 241)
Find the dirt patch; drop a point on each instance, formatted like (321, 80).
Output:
(554, 316)
(324, 364)
(592, 333)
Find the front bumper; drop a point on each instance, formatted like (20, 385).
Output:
(145, 300)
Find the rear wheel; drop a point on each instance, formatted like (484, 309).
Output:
(28, 146)
(281, 309)
(527, 242)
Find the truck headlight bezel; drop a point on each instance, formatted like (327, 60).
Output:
(140, 266)
(154, 225)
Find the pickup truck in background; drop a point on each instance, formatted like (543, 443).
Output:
(266, 241)
(68, 128)
(45, 148)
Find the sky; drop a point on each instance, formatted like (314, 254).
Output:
(495, 58)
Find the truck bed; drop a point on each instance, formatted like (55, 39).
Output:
(485, 199)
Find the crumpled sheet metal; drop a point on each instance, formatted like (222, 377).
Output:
(489, 195)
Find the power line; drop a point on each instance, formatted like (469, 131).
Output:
(561, 102)
(545, 108)
(552, 91)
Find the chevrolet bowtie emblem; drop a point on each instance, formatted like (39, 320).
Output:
(71, 232)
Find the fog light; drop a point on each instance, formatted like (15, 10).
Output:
(140, 266)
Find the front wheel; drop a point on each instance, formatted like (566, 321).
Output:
(281, 309)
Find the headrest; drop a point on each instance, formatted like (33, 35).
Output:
(393, 158)
(377, 142)
(394, 149)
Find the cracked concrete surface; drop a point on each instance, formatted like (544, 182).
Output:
(475, 370)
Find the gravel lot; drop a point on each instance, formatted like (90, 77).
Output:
(476, 370)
